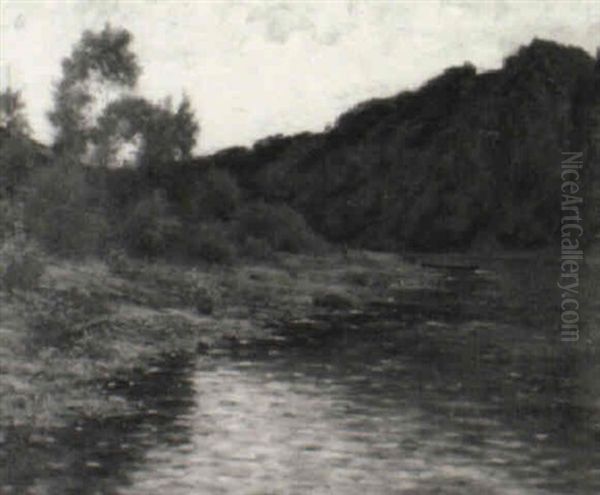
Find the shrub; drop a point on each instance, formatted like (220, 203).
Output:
(8, 219)
(21, 265)
(120, 264)
(58, 212)
(16, 157)
(257, 249)
(211, 243)
(150, 229)
(201, 299)
(279, 225)
(215, 196)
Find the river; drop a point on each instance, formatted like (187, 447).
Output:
(459, 388)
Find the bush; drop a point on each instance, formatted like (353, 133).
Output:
(150, 229)
(58, 212)
(216, 196)
(280, 226)
(210, 242)
(17, 154)
(257, 249)
(8, 219)
(21, 265)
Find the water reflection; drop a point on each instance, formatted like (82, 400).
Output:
(269, 428)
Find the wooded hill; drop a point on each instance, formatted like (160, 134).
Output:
(466, 158)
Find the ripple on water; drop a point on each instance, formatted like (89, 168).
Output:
(308, 441)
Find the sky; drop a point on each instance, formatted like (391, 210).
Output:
(259, 68)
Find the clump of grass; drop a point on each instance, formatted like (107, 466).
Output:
(60, 318)
(120, 264)
(21, 265)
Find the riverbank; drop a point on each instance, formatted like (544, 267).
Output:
(89, 324)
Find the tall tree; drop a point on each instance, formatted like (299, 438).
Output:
(186, 128)
(143, 133)
(16, 148)
(100, 63)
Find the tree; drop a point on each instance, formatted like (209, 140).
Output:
(185, 128)
(100, 63)
(12, 115)
(151, 133)
(16, 148)
(98, 119)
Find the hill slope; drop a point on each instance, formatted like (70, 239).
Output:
(465, 157)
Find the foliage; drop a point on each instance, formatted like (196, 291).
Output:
(465, 156)
(98, 120)
(21, 265)
(156, 134)
(17, 150)
(215, 195)
(150, 229)
(256, 249)
(59, 213)
(279, 225)
(102, 59)
(12, 115)
(210, 242)
(8, 219)
(16, 157)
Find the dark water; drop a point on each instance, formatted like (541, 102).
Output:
(460, 388)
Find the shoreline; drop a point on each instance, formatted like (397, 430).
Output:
(122, 318)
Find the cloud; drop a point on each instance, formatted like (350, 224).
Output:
(280, 21)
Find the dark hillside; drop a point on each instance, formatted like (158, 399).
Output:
(466, 156)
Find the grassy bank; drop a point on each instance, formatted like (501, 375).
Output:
(86, 324)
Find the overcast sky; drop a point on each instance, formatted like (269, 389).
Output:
(258, 68)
